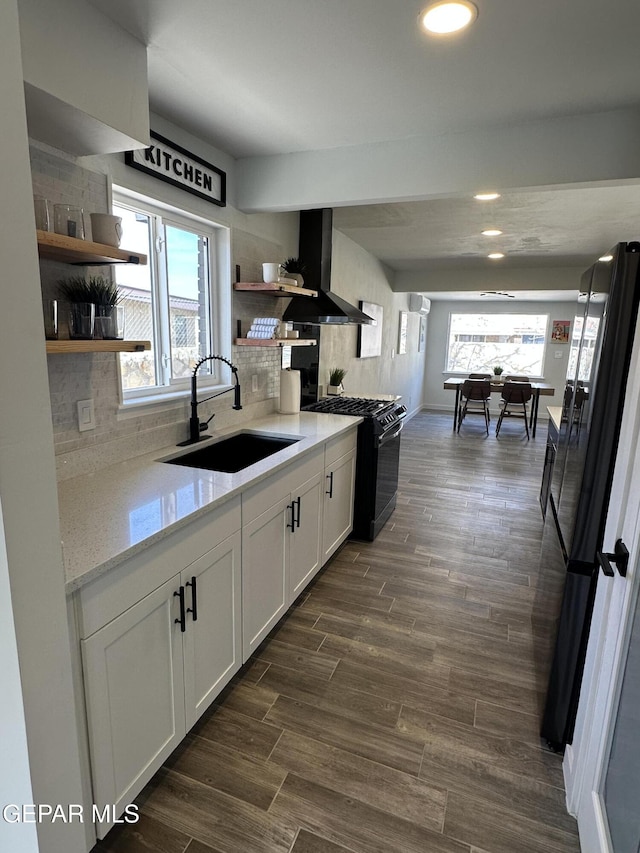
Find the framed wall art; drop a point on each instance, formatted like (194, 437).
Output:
(370, 337)
(560, 331)
(422, 334)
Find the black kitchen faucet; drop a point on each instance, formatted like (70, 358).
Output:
(195, 426)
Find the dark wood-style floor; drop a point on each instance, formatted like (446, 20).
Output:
(396, 707)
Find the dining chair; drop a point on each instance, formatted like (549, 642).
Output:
(513, 378)
(567, 399)
(474, 400)
(515, 396)
(578, 410)
(480, 376)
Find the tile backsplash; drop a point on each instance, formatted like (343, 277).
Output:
(73, 377)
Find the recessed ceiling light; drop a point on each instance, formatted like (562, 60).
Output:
(495, 256)
(492, 232)
(606, 258)
(486, 196)
(448, 16)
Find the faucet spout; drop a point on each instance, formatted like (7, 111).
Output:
(195, 426)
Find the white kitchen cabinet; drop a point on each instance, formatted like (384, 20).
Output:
(212, 640)
(134, 688)
(305, 538)
(265, 572)
(339, 484)
(151, 670)
(281, 534)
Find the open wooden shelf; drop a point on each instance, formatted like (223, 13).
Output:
(275, 288)
(97, 346)
(274, 342)
(70, 250)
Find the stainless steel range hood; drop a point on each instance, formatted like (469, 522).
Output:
(315, 250)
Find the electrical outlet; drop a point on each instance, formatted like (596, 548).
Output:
(254, 382)
(86, 415)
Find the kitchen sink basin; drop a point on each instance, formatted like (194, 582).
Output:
(234, 453)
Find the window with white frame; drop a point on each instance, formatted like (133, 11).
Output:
(172, 301)
(479, 342)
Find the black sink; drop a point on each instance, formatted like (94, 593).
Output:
(234, 453)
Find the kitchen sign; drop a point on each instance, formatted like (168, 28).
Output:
(175, 165)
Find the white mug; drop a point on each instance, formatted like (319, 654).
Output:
(106, 229)
(270, 272)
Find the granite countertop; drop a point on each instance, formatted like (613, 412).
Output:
(110, 515)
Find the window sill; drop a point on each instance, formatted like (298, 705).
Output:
(165, 400)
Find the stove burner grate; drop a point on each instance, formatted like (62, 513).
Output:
(350, 406)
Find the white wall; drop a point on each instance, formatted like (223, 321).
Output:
(356, 275)
(85, 78)
(28, 498)
(15, 778)
(555, 369)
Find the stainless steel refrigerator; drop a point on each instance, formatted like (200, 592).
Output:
(583, 469)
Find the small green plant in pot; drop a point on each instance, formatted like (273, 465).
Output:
(105, 296)
(295, 268)
(82, 310)
(497, 372)
(336, 375)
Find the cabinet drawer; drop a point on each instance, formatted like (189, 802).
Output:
(112, 593)
(340, 445)
(260, 497)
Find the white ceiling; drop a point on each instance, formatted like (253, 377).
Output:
(540, 228)
(276, 76)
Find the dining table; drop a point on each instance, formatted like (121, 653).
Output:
(539, 389)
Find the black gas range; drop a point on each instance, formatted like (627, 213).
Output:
(377, 461)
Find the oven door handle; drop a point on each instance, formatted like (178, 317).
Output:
(389, 436)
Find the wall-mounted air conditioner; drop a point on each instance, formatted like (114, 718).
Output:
(419, 303)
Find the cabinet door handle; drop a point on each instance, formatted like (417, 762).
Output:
(620, 557)
(330, 478)
(292, 526)
(182, 620)
(605, 565)
(298, 513)
(193, 610)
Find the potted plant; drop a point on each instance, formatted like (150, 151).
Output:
(336, 376)
(75, 291)
(104, 295)
(497, 372)
(295, 268)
